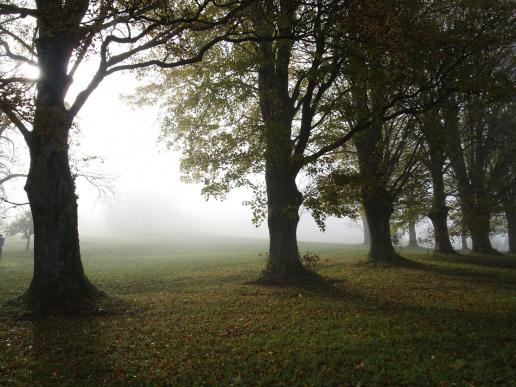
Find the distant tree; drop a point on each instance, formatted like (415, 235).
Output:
(10, 168)
(413, 203)
(22, 225)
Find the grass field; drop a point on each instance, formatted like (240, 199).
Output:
(184, 314)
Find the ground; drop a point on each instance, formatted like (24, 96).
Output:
(183, 313)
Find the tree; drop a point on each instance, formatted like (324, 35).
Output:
(57, 37)
(10, 169)
(266, 102)
(505, 183)
(473, 136)
(412, 205)
(387, 157)
(22, 225)
(435, 161)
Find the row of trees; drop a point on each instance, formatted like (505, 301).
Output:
(377, 103)
(356, 96)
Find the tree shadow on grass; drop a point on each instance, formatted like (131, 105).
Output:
(494, 261)
(500, 280)
(68, 351)
(456, 275)
(314, 284)
(468, 268)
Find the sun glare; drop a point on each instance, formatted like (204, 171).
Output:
(29, 71)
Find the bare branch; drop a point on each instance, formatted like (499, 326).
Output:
(9, 112)
(10, 177)
(10, 9)
(13, 203)
(14, 56)
(19, 40)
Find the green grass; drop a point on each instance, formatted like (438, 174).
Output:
(186, 316)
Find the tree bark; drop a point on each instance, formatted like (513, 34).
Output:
(464, 242)
(439, 217)
(438, 214)
(284, 201)
(478, 220)
(412, 235)
(283, 197)
(377, 202)
(378, 217)
(365, 226)
(58, 278)
(510, 215)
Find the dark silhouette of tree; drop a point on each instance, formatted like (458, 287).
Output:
(435, 160)
(473, 137)
(505, 182)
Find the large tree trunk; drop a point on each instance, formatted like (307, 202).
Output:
(412, 243)
(438, 214)
(464, 242)
(477, 219)
(378, 214)
(510, 215)
(365, 226)
(284, 201)
(374, 173)
(375, 196)
(439, 218)
(283, 197)
(58, 279)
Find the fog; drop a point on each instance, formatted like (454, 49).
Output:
(149, 200)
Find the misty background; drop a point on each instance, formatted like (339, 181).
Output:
(149, 199)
